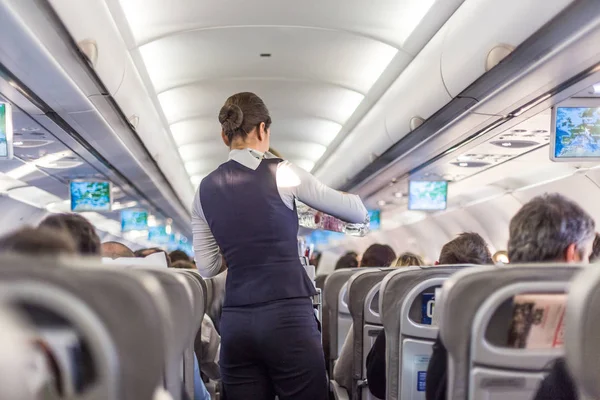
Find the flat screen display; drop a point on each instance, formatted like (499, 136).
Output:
(576, 133)
(90, 196)
(427, 195)
(159, 235)
(6, 134)
(375, 218)
(134, 220)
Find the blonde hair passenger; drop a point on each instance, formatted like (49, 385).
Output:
(408, 259)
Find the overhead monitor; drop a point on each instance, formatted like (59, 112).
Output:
(90, 195)
(575, 134)
(159, 235)
(134, 220)
(6, 131)
(375, 218)
(427, 195)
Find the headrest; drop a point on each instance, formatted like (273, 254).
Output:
(155, 260)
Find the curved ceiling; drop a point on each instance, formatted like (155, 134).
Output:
(313, 63)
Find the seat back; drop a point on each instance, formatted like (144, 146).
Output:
(476, 314)
(331, 320)
(197, 301)
(582, 348)
(363, 287)
(406, 300)
(97, 303)
(178, 292)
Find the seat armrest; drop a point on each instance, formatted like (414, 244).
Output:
(339, 393)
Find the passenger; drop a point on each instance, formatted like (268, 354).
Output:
(346, 261)
(552, 228)
(38, 241)
(408, 259)
(183, 264)
(178, 255)
(246, 208)
(81, 230)
(376, 255)
(116, 250)
(595, 249)
(467, 248)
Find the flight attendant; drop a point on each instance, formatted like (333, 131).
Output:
(244, 215)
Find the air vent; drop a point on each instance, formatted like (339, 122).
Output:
(60, 164)
(37, 133)
(265, 55)
(31, 143)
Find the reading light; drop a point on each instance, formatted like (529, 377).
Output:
(463, 164)
(506, 144)
(398, 195)
(381, 203)
(168, 229)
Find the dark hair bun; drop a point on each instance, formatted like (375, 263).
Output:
(231, 117)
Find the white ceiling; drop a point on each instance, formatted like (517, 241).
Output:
(325, 57)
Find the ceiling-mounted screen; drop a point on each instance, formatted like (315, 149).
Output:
(159, 235)
(576, 130)
(90, 195)
(6, 131)
(134, 220)
(427, 195)
(375, 220)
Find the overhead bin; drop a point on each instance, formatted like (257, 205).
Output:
(468, 41)
(91, 21)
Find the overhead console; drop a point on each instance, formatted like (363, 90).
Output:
(470, 43)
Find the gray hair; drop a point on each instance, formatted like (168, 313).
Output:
(544, 227)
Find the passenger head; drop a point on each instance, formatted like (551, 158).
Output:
(182, 264)
(408, 259)
(378, 255)
(116, 250)
(245, 122)
(40, 241)
(178, 255)
(143, 253)
(595, 249)
(550, 228)
(80, 229)
(346, 261)
(467, 248)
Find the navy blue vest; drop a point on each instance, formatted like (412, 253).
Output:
(257, 233)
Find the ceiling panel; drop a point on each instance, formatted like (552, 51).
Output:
(321, 55)
(312, 62)
(392, 21)
(314, 99)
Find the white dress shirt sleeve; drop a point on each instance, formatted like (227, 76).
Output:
(206, 250)
(294, 182)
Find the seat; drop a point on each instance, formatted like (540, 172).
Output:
(331, 321)
(476, 313)
(320, 281)
(582, 348)
(408, 339)
(97, 302)
(197, 301)
(363, 289)
(178, 292)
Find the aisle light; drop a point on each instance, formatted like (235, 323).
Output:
(31, 166)
(33, 196)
